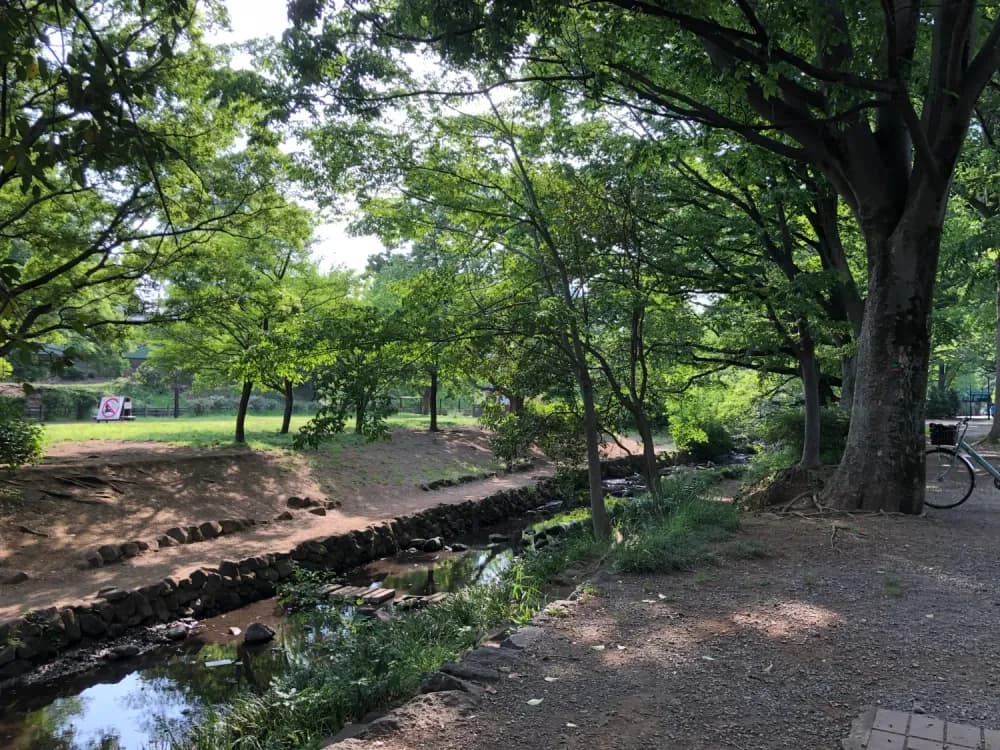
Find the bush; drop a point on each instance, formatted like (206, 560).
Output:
(785, 430)
(211, 404)
(68, 403)
(704, 440)
(20, 440)
(942, 403)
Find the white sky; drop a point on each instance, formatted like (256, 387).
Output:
(251, 19)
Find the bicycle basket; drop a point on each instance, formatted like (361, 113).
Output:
(944, 434)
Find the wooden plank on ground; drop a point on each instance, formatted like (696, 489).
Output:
(380, 596)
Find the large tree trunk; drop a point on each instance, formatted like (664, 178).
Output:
(810, 391)
(286, 417)
(650, 470)
(434, 399)
(848, 376)
(598, 512)
(883, 463)
(241, 411)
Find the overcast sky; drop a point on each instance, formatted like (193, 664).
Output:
(251, 19)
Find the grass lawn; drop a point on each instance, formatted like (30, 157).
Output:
(216, 430)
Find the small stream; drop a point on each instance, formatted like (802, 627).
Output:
(145, 702)
(150, 701)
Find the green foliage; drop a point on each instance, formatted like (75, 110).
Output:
(68, 403)
(554, 428)
(942, 403)
(702, 440)
(366, 356)
(679, 540)
(20, 440)
(784, 430)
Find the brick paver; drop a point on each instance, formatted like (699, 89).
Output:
(898, 730)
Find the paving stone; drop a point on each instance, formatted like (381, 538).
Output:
(884, 729)
(879, 740)
(926, 728)
(891, 721)
(963, 735)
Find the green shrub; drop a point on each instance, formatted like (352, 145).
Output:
(785, 430)
(703, 440)
(942, 403)
(20, 440)
(68, 403)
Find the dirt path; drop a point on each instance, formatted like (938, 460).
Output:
(91, 494)
(774, 653)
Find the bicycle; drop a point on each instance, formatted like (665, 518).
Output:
(950, 476)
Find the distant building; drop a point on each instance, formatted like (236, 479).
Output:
(137, 357)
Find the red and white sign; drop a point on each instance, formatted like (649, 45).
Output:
(110, 409)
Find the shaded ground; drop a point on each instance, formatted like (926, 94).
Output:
(754, 654)
(94, 493)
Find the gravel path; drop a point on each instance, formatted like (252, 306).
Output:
(781, 652)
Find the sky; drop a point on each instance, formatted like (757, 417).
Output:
(251, 19)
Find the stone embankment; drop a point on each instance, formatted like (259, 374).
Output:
(40, 635)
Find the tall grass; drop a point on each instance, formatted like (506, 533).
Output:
(675, 531)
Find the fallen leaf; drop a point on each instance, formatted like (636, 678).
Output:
(571, 725)
(708, 658)
(551, 679)
(535, 701)
(598, 648)
(621, 647)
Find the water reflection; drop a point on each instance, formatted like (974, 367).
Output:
(147, 703)
(412, 575)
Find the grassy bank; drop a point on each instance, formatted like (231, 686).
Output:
(216, 430)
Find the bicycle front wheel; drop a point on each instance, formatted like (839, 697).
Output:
(949, 478)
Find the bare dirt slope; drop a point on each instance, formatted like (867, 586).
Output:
(759, 654)
(86, 495)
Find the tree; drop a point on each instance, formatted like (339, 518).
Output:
(879, 105)
(363, 354)
(111, 126)
(241, 304)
